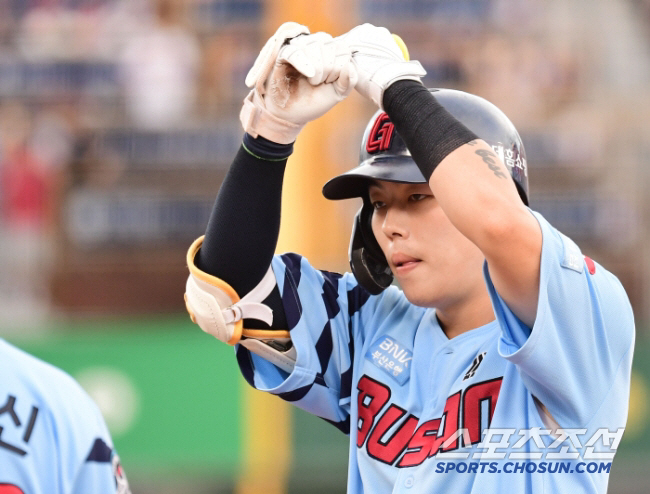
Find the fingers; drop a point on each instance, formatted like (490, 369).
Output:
(327, 56)
(267, 56)
(375, 41)
(318, 57)
(347, 79)
(341, 57)
(304, 54)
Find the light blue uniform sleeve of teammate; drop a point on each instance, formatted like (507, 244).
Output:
(324, 331)
(53, 438)
(577, 358)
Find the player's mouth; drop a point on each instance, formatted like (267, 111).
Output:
(403, 263)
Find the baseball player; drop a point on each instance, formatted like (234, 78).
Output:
(501, 363)
(53, 439)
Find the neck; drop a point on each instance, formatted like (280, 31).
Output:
(466, 315)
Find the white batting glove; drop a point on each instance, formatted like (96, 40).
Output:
(296, 78)
(379, 60)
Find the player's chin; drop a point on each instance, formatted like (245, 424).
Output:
(419, 292)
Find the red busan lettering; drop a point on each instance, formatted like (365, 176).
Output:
(410, 445)
(388, 451)
(473, 399)
(451, 417)
(10, 489)
(373, 395)
(420, 444)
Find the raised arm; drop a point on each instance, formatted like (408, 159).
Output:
(471, 184)
(476, 192)
(296, 78)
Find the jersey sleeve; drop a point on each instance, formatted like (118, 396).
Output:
(325, 313)
(101, 471)
(581, 343)
(98, 468)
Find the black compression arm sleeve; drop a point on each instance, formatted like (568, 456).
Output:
(245, 222)
(429, 131)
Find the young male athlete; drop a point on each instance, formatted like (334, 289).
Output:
(53, 439)
(503, 362)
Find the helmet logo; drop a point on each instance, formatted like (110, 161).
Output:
(381, 134)
(512, 159)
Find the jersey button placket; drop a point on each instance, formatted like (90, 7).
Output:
(435, 375)
(409, 481)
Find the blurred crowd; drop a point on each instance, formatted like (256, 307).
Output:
(74, 71)
(118, 117)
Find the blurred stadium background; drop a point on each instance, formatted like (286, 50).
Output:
(118, 120)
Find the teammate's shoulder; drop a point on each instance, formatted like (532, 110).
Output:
(46, 383)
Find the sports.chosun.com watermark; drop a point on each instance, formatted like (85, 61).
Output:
(522, 467)
(529, 444)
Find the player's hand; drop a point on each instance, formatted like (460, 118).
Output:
(296, 78)
(380, 61)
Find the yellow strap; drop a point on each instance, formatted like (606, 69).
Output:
(402, 47)
(265, 334)
(203, 276)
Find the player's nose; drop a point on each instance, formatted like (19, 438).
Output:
(395, 223)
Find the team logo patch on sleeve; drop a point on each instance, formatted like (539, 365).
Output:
(392, 357)
(573, 258)
(120, 477)
(103, 453)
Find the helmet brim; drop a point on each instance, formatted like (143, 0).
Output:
(381, 142)
(354, 183)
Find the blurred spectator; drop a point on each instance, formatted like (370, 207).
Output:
(160, 68)
(33, 155)
(24, 190)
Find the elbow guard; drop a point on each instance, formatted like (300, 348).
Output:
(217, 309)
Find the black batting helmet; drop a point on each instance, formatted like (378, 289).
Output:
(384, 156)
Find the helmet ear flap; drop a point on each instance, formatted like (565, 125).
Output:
(367, 261)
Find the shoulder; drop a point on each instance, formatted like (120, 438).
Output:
(54, 391)
(561, 254)
(30, 369)
(574, 277)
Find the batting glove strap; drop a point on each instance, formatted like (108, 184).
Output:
(215, 306)
(390, 73)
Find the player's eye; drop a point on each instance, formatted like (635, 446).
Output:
(417, 197)
(377, 205)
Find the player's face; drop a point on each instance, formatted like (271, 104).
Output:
(435, 264)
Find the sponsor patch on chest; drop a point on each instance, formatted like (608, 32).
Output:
(392, 357)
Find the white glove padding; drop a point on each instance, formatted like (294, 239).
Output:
(379, 60)
(297, 83)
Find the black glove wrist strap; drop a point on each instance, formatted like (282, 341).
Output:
(429, 130)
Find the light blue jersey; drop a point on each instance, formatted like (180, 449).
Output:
(53, 439)
(497, 409)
